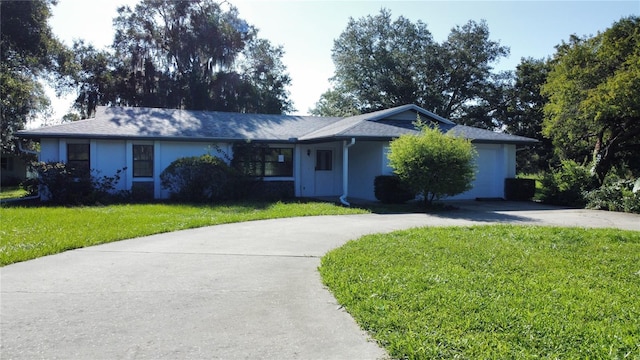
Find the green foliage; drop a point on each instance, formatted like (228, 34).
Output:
(493, 292)
(614, 195)
(28, 53)
(94, 78)
(592, 89)
(567, 184)
(381, 63)
(523, 114)
(433, 164)
(389, 189)
(183, 54)
(59, 183)
(30, 232)
(203, 178)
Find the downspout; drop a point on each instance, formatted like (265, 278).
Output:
(25, 150)
(345, 171)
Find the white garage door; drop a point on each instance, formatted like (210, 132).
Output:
(489, 176)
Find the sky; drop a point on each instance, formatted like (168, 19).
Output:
(306, 29)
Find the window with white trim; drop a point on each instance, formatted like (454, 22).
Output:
(78, 157)
(264, 161)
(142, 160)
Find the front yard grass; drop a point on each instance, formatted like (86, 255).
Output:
(12, 192)
(493, 292)
(30, 232)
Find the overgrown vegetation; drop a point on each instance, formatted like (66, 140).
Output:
(615, 195)
(574, 185)
(567, 184)
(30, 232)
(493, 292)
(60, 183)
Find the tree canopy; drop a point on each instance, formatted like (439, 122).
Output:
(381, 63)
(28, 52)
(593, 88)
(183, 54)
(522, 113)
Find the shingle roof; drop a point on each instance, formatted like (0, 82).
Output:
(378, 124)
(153, 123)
(488, 136)
(186, 125)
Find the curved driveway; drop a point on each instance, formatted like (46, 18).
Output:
(238, 291)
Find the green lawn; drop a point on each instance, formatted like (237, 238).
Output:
(494, 292)
(30, 232)
(12, 192)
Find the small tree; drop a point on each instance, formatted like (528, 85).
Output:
(433, 164)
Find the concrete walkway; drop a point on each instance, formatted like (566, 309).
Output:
(238, 291)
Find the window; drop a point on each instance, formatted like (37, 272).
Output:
(7, 163)
(324, 160)
(278, 162)
(78, 157)
(265, 161)
(142, 160)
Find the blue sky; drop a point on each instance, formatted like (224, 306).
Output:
(307, 29)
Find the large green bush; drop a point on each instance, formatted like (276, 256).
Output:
(203, 178)
(433, 164)
(567, 184)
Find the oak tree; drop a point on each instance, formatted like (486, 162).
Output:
(593, 89)
(188, 54)
(381, 63)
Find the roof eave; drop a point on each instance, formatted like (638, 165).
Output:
(40, 136)
(513, 142)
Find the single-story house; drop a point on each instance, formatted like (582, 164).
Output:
(318, 156)
(13, 169)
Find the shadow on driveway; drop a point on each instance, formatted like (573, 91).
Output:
(495, 211)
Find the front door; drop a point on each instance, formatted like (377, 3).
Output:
(325, 172)
(319, 171)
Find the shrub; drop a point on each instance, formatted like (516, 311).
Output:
(567, 184)
(199, 179)
(61, 184)
(433, 164)
(614, 195)
(389, 189)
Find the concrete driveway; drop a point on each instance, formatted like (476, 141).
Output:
(238, 291)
